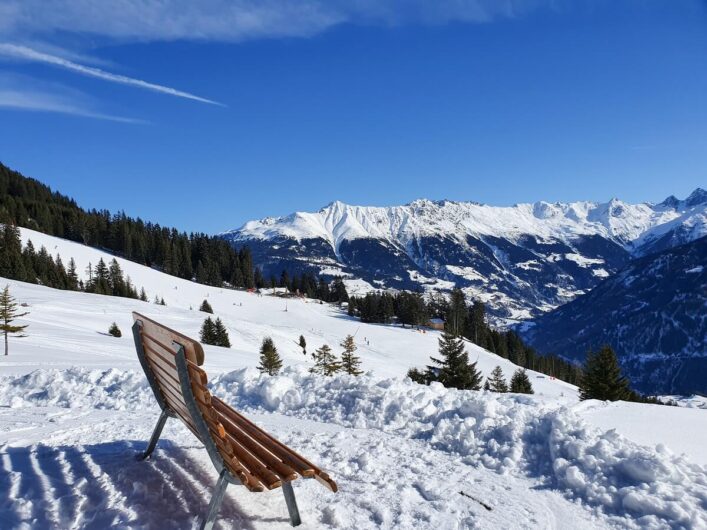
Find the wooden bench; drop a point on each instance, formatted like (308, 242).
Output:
(241, 452)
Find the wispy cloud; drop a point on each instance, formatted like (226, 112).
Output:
(237, 20)
(28, 54)
(21, 93)
(38, 30)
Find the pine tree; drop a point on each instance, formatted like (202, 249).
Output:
(270, 361)
(350, 362)
(303, 344)
(89, 273)
(206, 307)
(114, 330)
(456, 318)
(477, 323)
(8, 314)
(520, 383)
(143, 294)
(497, 382)
(11, 255)
(487, 386)
(72, 276)
(339, 291)
(454, 368)
(207, 335)
(162, 301)
(221, 334)
(325, 361)
(101, 284)
(601, 377)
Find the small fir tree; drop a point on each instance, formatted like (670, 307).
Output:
(72, 276)
(325, 362)
(601, 377)
(114, 330)
(207, 335)
(143, 295)
(418, 376)
(8, 314)
(221, 334)
(487, 386)
(206, 307)
(162, 301)
(270, 361)
(497, 382)
(303, 344)
(454, 368)
(520, 383)
(350, 362)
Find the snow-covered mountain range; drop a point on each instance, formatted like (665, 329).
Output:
(521, 260)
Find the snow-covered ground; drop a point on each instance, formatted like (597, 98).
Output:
(75, 408)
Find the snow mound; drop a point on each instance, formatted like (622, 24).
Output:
(77, 388)
(509, 433)
(512, 434)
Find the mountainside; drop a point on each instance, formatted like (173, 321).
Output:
(521, 260)
(75, 409)
(653, 312)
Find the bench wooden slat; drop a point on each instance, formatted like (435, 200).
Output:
(192, 349)
(198, 376)
(269, 460)
(172, 388)
(249, 480)
(156, 360)
(269, 479)
(164, 378)
(303, 466)
(289, 457)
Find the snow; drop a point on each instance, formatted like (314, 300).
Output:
(360, 428)
(641, 422)
(75, 407)
(583, 261)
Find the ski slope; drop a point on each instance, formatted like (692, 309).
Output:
(75, 408)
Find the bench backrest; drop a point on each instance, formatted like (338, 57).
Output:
(171, 363)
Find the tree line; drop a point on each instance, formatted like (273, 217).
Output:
(309, 285)
(209, 260)
(39, 267)
(206, 259)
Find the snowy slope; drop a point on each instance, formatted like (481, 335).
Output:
(75, 407)
(521, 260)
(248, 317)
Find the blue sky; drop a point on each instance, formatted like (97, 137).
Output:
(204, 115)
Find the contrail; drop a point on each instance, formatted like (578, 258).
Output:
(23, 52)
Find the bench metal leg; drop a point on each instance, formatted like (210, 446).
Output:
(155, 435)
(216, 500)
(291, 503)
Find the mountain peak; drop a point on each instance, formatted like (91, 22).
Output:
(699, 196)
(670, 202)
